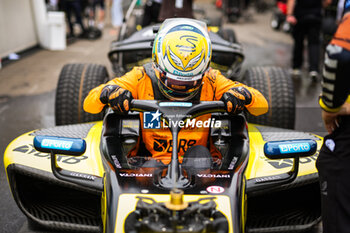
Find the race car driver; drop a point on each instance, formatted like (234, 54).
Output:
(179, 72)
(333, 163)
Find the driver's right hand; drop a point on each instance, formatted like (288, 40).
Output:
(116, 97)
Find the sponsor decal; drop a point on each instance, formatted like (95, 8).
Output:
(175, 104)
(161, 145)
(284, 163)
(151, 120)
(176, 72)
(214, 176)
(56, 144)
(294, 148)
(30, 150)
(233, 163)
(116, 161)
(215, 189)
(130, 124)
(330, 144)
(193, 123)
(135, 175)
(267, 178)
(83, 176)
(186, 27)
(159, 43)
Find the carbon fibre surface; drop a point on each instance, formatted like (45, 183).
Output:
(277, 134)
(55, 204)
(72, 131)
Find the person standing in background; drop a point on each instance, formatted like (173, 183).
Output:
(333, 162)
(306, 17)
(117, 15)
(73, 6)
(176, 9)
(100, 4)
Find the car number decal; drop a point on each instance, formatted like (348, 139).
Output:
(215, 189)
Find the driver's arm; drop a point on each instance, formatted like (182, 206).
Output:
(257, 105)
(129, 81)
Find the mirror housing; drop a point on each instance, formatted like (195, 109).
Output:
(290, 148)
(60, 145)
(67, 146)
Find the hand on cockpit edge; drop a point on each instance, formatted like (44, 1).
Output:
(116, 97)
(235, 99)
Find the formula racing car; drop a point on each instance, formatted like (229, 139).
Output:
(77, 176)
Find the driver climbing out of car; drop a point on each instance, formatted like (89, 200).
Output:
(179, 72)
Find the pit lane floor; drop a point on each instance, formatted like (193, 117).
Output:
(27, 91)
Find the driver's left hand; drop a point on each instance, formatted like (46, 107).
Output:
(117, 98)
(235, 99)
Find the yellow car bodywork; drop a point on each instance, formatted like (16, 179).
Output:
(21, 151)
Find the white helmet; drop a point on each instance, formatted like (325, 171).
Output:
(181, 55)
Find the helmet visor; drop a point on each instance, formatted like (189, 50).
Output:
(179, 84)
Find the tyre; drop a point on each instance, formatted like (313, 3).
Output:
(277, 87)
(228, 34)
(75, 82)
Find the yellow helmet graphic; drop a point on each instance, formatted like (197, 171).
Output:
(181, 55)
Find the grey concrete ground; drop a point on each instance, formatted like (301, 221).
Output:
(27, 90)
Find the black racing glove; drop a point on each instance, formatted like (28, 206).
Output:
(235, 99)
(116, 97)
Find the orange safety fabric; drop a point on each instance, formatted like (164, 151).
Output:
(159, 141)
(342, 35)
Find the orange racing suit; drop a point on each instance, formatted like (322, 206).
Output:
(159, 141)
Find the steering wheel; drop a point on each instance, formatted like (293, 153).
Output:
(176, 111)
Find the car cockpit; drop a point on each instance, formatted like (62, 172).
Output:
(122, 133)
